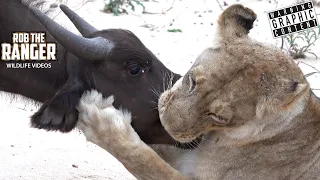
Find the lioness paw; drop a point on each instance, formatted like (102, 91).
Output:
(100, 121)
(94, 97)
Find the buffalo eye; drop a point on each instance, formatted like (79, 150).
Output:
(134, 69)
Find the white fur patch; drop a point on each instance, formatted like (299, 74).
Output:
(97, 117)
(94, 97)
(93, 101)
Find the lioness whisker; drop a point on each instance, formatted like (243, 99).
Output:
(163, 82)
(154, 102)
(171, 80)
(168, 80)
(202, 148)
(155, 93)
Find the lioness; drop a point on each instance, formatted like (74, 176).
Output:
(250, 103)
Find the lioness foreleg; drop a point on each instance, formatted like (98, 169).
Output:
(110, 129)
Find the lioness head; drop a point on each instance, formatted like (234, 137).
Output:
(235, 83)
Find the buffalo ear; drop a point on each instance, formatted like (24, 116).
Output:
(59, 112)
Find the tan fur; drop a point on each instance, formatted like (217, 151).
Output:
(110, 129)
(250, 102)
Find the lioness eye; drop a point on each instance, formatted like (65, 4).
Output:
(192, 83)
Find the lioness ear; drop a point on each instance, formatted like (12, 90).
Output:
(297, 88)
(59, 112)
(296, 93)
(236, 21)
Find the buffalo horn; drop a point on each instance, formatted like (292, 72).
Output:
(83, 26)
(86, 48)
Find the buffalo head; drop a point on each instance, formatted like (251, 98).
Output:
(113, 61)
